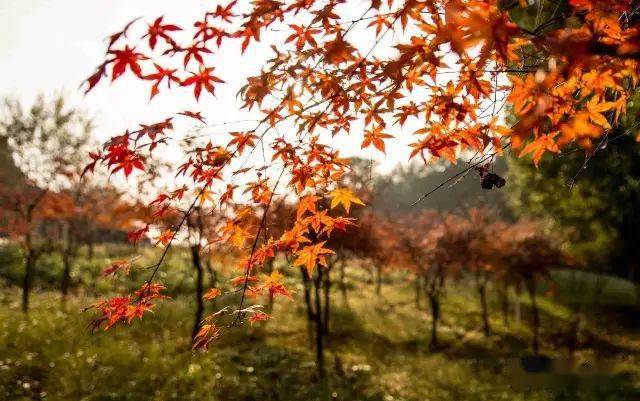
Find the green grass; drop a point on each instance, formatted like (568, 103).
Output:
(378, 350)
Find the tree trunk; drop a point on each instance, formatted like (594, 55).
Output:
(306, 284)
(327, 302)
(378, 279)
(418, 283)
(517, 312)
(535, 319)
(343, 282)
(90, 246)
(434, 303)
(486, 327)
(29, 267)
(319, 326)
(504, 304)
(195, 256)
(66, 277)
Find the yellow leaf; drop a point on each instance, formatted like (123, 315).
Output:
(344, 197)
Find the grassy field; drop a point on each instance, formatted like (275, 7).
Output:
(378, 350)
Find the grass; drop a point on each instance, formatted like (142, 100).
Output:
(378, 351)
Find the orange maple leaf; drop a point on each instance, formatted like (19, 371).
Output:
(311, 255)
(344, 197)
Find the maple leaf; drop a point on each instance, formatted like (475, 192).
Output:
(136, 235)
(93, 80)
(242, 280)
(123, 33)
(595, 108)
(242, 140)
(194, 51)
(117, 266)
(195, 115)
(157, 30)
(212, 294)
(127, 161)
(302, 36)
(165, 237)
(124, 58)
(161, 74)
(224, 13)
(381, 21)
(258, 317)
(375, 137)
(542, 144)
(344, 197)
(339, 51)
(311, 255)
(249, 32)
(307, 204)
(203, 195)
(206, 334)
(273, 283)
(203, 79)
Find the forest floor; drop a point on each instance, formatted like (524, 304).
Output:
(378, 350)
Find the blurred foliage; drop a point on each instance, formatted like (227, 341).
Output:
(378, 352)
(592, 197)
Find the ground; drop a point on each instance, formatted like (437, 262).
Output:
(378, 350)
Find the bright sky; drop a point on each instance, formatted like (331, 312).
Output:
(48, 46)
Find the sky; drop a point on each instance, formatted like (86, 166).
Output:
(51, 46)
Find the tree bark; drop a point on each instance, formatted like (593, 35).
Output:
(504, 304)
(68, 254)
(319, 326)
(66, 277)
(306, 285)
(343, 282)
(327, 302)
(29, 267)
(434, 303)
(195, 256)
(482, 291)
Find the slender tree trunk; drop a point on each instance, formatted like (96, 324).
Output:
(482, 291)
(378, 279)
(29, 267)
(68, 252)
(573, 333)
(535, 318)
(327, 302)
(319, 326)
(195, 256)
(306, 285)
(434, 303)
(66, 277)
(418, 283)
(517, 310)
(343, 282)
(504, 304)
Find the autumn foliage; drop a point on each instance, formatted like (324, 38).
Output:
(444, 69)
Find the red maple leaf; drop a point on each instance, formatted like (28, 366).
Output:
(157, 30)
(202, 79)
(124, 58)
(161, 74)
